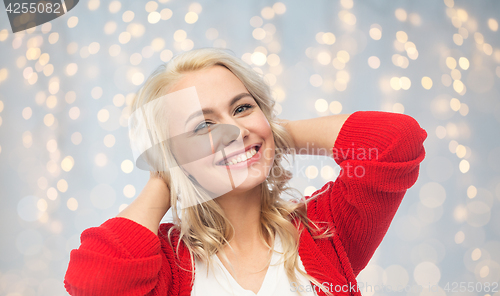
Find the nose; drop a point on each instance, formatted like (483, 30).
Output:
(230, 135)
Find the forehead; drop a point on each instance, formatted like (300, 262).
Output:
(216, 81)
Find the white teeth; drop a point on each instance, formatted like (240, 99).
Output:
(242, 157)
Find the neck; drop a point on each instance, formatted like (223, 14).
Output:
(243, 209)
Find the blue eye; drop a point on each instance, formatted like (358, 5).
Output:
(202, 126)
(245, 106)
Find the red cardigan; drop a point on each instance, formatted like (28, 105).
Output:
(122, 257)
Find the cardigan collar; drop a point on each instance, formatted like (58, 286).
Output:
(312, 254)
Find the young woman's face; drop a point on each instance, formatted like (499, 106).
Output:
(231, 123)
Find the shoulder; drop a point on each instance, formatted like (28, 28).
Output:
(169, 232)
(171, 241)
(177, 255)
(167, 226)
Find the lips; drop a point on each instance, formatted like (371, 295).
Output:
(230, 156)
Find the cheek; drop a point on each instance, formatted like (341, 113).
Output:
(261, 126)
(188, 148)
(200, 169)
(263, 130)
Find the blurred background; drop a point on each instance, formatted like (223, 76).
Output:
(65, 89)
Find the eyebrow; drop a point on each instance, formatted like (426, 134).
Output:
(211, 111)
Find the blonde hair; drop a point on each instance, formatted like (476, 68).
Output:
(204, 228)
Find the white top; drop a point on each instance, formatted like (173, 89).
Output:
(221, 283)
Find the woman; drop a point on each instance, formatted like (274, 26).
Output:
(235, 234)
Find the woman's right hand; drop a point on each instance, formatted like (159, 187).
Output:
(152, 203)
(160, 175)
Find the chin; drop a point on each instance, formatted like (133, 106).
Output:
(253, 180)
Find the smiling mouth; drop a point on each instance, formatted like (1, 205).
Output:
(240, 157)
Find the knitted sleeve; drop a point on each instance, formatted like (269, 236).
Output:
(120, 257)
(379, 155)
